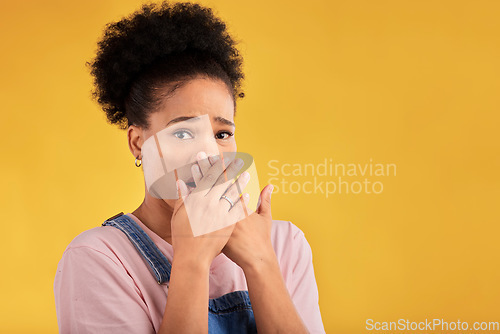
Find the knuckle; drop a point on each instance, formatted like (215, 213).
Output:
(210, 177)
(232, 193)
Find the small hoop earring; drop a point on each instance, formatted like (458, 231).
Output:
(140, 162)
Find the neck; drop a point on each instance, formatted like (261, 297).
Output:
(156, 214)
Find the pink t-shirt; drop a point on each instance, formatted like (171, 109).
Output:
(102, 284)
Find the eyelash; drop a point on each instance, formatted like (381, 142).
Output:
(230, 134)
(182, 131)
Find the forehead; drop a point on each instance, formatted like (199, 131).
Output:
(197, 97)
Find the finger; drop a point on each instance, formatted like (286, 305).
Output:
(244, 199)
(227, 202)
(197, 176)
(182, 188)
(265, 204)
(181, 191)
(234, 191)
(210, 177)
(237, 212)
(213, 158)
(203, 162)
(231, 171)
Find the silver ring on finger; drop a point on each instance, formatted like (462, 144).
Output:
(229, 200)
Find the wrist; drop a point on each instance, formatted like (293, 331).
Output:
(261, 263)
(191, 263)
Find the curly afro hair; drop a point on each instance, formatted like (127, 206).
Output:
(144, 57)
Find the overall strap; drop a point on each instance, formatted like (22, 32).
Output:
(157, 262)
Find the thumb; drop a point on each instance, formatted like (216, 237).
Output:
(182, 191)
(265, 201)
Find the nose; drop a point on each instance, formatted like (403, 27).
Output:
(206, 144)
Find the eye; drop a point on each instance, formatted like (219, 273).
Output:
(183, 134)
(224, 135)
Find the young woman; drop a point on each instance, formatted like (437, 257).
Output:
(144, 271)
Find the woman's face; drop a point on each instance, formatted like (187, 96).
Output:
(200, 96)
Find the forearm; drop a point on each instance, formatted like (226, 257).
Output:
(271, 303)
(187, 302)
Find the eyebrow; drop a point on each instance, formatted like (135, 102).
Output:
(217, 119)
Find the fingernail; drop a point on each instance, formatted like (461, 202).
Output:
(201, 155)
(214, 159)
(195, 169)
(271, 190)
(245, 175)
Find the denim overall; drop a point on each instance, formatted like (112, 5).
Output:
(230, 313)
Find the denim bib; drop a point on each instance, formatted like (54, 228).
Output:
(229, 313)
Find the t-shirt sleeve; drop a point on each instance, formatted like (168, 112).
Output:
(95, 294)
(304, 291)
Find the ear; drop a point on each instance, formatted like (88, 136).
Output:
(135, 137)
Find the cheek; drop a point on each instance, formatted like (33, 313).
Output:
(184, 153)
(226, 151)
(228, 147)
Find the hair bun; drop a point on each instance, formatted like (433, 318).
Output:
(155, 32)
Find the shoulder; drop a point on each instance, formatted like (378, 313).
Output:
(96, 266)
(106, 240)
(285, 231)
(98, 237)
(288, 240)
(102, 251)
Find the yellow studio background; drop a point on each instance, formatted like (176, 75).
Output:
(410, 83)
